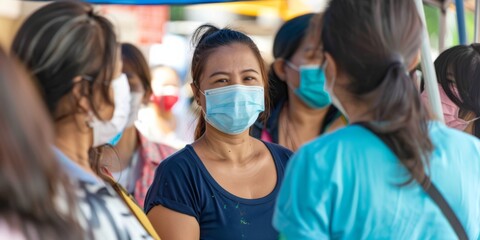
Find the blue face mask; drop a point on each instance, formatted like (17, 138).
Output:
(233, 109)
(312, 89)
(114, 141)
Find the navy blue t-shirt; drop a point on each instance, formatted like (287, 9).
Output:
(183, 184)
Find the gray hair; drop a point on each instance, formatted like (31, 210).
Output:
(64, 40)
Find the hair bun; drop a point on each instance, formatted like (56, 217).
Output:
(203, 32)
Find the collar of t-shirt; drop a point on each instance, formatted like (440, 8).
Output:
(73, 170)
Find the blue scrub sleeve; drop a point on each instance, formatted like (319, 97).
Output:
(304, 202)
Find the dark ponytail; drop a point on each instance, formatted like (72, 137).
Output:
(372, 41)
(208, 38)
(403, 120)
(201, 125)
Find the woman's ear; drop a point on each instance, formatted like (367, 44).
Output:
(80, 95)
(195, 91)
(279, 68)
(414, 62)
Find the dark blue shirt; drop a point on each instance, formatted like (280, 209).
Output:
(183, 184)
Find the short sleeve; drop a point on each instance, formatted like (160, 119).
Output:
(174, 188)
(303, 206)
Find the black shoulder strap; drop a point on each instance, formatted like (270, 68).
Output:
(436, 196)
(330, 117)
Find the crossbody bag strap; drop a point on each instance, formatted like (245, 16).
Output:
(434, 194)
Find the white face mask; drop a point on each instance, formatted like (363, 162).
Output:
(105, 131)
(135, 105)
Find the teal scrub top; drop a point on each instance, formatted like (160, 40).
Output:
(345, 185)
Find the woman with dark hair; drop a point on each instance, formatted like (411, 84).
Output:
(224, 185)
(458, 74)
(31, 181)
(302, 107)
(138, 157)
(73, 53)
(393, 173)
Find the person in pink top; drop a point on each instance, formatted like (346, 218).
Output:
(458, 72)
(138, 156)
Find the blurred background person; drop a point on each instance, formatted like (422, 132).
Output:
(224, 185)
(36, 199)
(157, 121)
(301, 105)
(73, 53)
(458, 74)
(387, 175)
(138, 156)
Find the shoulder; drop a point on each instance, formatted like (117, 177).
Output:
(182, 170)
(439, 131)
(279, 153)
(183, 156)
(447, 140)
(348, 136)
(178, 184)
(183, 162)
(341, 146)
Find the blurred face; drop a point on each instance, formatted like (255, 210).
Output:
(135, 83)
(307, 54)
(165, 88)
(222, 69)
(162, 77)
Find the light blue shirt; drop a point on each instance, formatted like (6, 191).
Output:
(73, 170)
(345, 185)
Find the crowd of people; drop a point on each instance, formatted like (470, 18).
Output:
(333, 140)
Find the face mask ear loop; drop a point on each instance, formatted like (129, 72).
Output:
(324, 65)
(198, 88)
(473, 120)
(198, 102)
(292, 66)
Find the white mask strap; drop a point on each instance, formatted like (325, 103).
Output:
(292, 66)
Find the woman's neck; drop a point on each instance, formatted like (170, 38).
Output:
(358, 113)
(237, 149)
(165, 120)
(74, 143)
(126, 147)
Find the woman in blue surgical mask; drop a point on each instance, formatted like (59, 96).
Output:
(224, 185)
(393, 172)
(301, 105)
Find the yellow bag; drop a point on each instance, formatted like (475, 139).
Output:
(136, 210)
